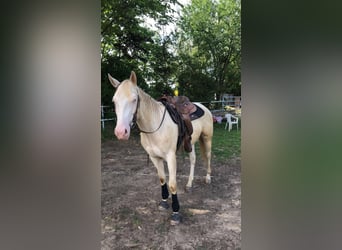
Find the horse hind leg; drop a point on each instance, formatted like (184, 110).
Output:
(205, 147)
(192, 156)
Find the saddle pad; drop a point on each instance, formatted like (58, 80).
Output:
(197, 114)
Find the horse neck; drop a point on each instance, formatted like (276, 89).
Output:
(149, 113)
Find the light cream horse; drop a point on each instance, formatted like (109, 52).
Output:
(159, 135)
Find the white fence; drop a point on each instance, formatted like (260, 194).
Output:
(108, 114)
(215, 106)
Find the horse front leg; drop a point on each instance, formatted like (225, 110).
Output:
(172, 167)
(158, 163)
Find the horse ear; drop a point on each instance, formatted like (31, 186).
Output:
(113, 81)
(133, 78)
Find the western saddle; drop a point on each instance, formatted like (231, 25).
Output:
(184, 108)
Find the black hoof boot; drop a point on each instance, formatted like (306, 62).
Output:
(175, 218)
(163, 205)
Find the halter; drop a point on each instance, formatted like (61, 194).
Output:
(134, 120)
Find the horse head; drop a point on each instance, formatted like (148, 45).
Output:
(126, 103)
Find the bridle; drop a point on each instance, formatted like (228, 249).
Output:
(134, 120)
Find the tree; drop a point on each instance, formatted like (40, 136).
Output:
(202, 56)
(209, 39)
(127, 43)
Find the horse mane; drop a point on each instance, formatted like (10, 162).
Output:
(149, 105)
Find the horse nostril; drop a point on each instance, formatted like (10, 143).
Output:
(125, 131)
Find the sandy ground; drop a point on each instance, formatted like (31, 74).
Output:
(211, 214)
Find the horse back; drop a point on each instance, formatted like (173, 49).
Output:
(203, 125)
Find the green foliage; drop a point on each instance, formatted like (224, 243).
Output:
(203, 56)
(123, 34)
(209, 38)
(128, 44)
(196, 85)
(120, 70)
(161, 66)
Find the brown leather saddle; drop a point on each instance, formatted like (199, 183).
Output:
(182, 112)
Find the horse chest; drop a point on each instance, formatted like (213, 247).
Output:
(155, 147)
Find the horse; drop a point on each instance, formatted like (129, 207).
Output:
(158, 136)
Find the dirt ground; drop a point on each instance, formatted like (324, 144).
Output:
(211, 214)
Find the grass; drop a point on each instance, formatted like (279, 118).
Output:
(225, 145)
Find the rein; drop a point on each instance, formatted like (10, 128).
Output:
(134, 121)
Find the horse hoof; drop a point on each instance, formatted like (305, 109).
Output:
(175, 219)
(207, 179)
(163, 205)
(188, 189)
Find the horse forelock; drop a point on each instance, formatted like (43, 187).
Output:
(126, 90)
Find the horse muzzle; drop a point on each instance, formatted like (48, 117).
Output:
(122, 132)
